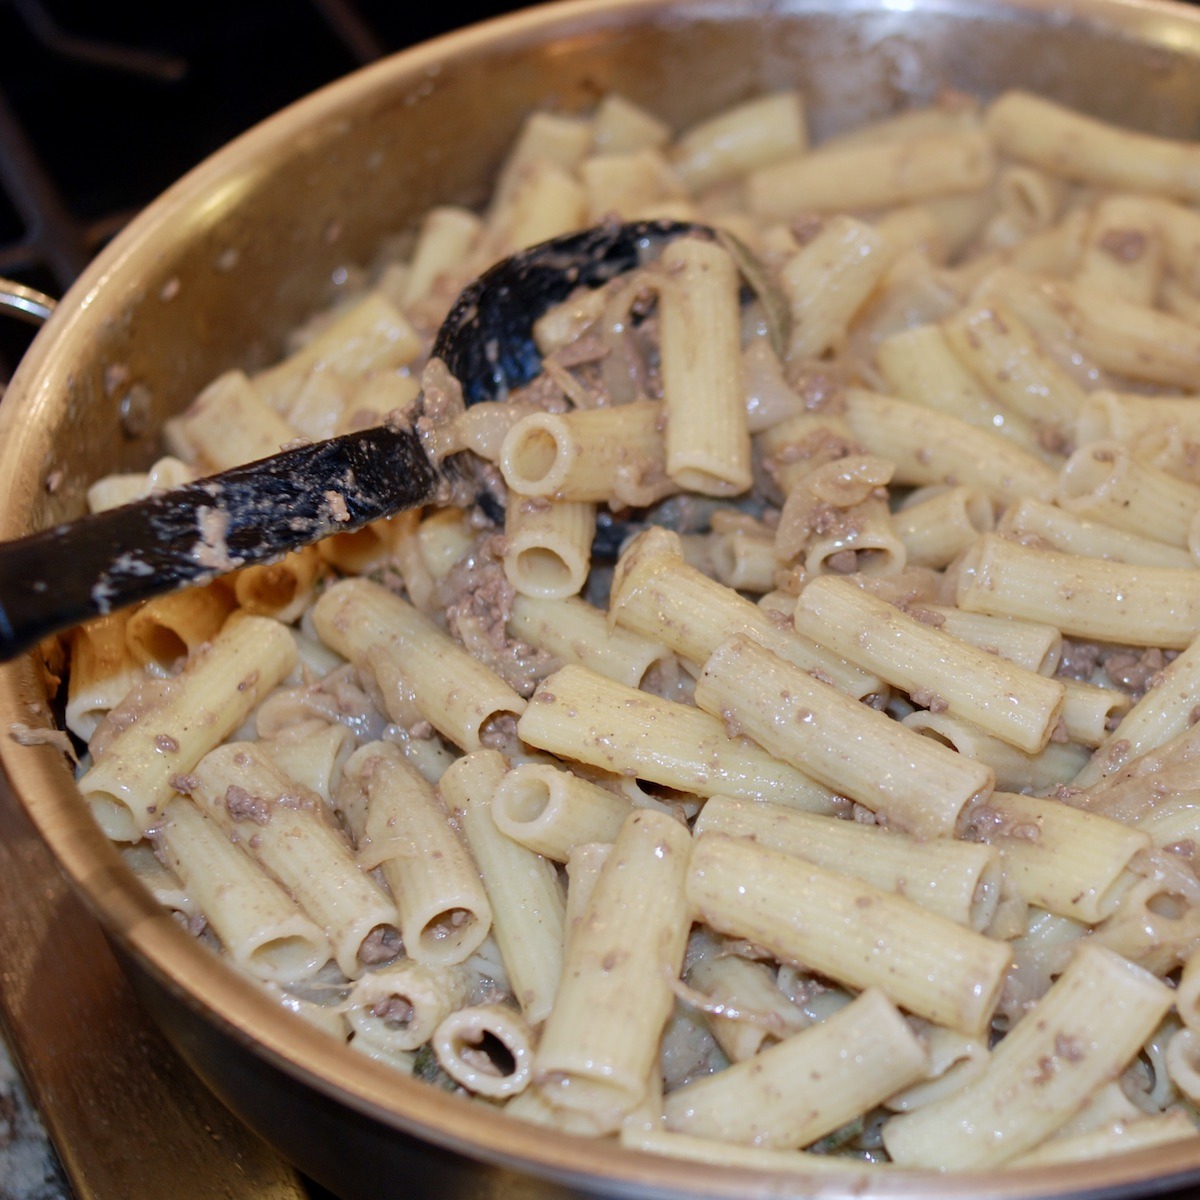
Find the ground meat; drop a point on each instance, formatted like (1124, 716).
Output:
(589, 348)
(478, 599)
(499, 732)
(1125, 245)
(1134, 671)
(145, 698)
(1079, 660)
(381, 945)
(210, 549)
(844, 562)
(926, 698)
(926, 616)
(1054, 439)
(394, 1009)
(337, 506)
(242, 806)
(477, 586)
(545, 391)
(987, 823)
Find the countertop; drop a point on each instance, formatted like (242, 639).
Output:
(29, 1168)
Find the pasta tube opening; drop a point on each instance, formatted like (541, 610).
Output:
(535, 456)
(487, 1049)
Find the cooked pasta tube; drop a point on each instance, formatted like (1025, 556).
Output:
(545, 200)
(402, 828)
(230, 423)
(752, 1158)
(447, 234)
(959, 880)
(1106, 482)
(936, 669)
(627, 185)
(183, 719)
(829, 279)
(103, 672)
(936, 448)
(1073, 534)
(954, 1061)
(399, 1007)
(1084, 597)
(286, 828)
(584, 717)
(1089, 712)
(860, 1055)
(1030, 644)
(1177, 299)
(1030, 200)
(528, 907)
(111, 491)
(615, 454)
(873, 175)
(1043, 1071)
(583, 869)
(443, 537)
(859, 536)
(1057, 763)
(743, 561)
(740, 139)
(413, 661)
(260, 926)
(620, 126)
(656, 594)
(312, 753)
(1130, 339)
(370, 335)
(1187, 992)
(746, 1009)
(168, 628)
(531, 1105)
(1065, 142)
(548, 546)
(914, 784)
(707, 439)
(1004, 355)
(1068, 861)
(799, 444)
(487, 1049)
(1117, 1137)
(1165, 712)
(552, 811)
(1124, 251)
(559, 138)
(1141, 775)
(1156, 925)
(804, 913)
(574, 631)
(601, 1039)
(939, 525)
(1172, 822)
(282, 589)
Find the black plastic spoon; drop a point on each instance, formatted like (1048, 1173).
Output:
(257, 512)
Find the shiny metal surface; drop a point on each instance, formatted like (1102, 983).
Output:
(73, 1017)
(216, 271)
(25, 302)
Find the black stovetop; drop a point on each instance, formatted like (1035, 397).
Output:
(104, 103)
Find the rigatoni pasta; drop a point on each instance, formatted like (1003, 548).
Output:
(803, 773)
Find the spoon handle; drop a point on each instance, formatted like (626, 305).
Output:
(189, 535)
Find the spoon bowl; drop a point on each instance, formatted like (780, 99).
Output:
(265, 509)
